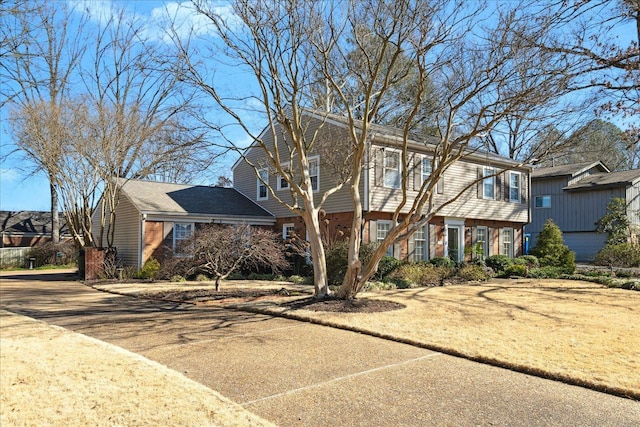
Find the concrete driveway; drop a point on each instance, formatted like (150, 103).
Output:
(298, 374)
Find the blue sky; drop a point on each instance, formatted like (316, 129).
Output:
(21, 189)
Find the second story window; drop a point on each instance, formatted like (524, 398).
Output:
(262, 188)
(391, 169)
(489, 184)
(514, 187)
(426, 168)
(283, 184)
(314, 173)
(543, 202)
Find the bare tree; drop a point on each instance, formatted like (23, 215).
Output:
(291, 47)
(605, 62)
(41, 49)
(219, 250)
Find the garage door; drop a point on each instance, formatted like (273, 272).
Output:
(585, 245)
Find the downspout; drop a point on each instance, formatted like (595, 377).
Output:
(143, 218)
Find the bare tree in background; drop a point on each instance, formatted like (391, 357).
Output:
(87, 117)
(605, 60)
(42, 47)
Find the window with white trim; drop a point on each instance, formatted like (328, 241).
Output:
(287, 231)
(181, 232)
(420, 244)
(426, 168)
(391, 169)
(283, 184)
(263, 193)
(514, 187)
(489, 183)
(542, 202)
(314, 173)
(383, 228)
(507, 242)
(481, 241)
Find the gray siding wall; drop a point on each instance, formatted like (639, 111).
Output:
(572, 211)
(456, 178)
(330, 146)
(127, 231)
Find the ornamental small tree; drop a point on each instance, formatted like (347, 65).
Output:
(219, 250)
(615, 222)
(551, 250)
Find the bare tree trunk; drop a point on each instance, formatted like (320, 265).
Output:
(55, 215)
(318, 259)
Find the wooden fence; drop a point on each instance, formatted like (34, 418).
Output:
(14, 257)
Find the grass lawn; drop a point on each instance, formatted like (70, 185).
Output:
(570, 330)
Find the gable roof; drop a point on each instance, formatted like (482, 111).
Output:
(567, 170)
(29, 222)
(185, 199)
(601, 180)
(390, 135)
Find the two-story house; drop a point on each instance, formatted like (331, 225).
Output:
(490, 214)
(575, 197)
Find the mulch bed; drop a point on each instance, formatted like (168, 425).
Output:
(359, 305)
(336, 305)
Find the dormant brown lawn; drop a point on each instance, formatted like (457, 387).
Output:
(51, 376)
(577, 331)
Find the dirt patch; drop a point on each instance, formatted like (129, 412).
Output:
(335, 305)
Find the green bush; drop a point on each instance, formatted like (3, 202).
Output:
(149, 270)
(336, 258)
(386, 266)
(178, 278)
(530, 260)
(499, 263)
(546, 272)
(472, 272)
(551, 250)
(516, 270)
(442, 262)
(621, 255)
(202, 278)
(419, 274)
(236, 275)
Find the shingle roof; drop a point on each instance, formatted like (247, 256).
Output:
(38, 222)
(564, 170)
(607, 180)
(166, 198)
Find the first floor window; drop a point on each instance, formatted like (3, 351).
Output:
(420, 247)
(507, 242)
(287, 231)
(383, 229)
(481, 242)
(181, 232)
(262, 188)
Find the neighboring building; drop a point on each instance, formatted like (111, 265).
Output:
(492, 213)
(28, 228)
(575, 197)
(152, 217)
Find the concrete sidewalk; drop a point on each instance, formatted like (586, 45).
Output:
(294, 373)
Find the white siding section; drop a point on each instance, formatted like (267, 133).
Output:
(456, 178)
(127, 231)
(330, 146)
